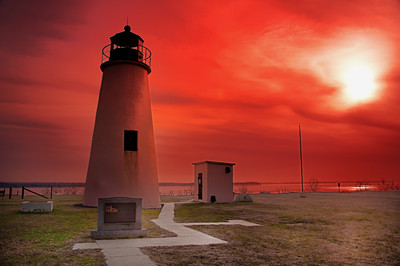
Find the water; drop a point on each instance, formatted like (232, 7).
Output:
(296, 187)
(255, 188)
(47, 191)
(251, 188)
(176, 189)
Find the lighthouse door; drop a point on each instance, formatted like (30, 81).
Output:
(200, 186)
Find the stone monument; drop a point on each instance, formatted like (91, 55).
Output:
(119, 217)
(39, 206)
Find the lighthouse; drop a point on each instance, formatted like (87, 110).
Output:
(122, 159)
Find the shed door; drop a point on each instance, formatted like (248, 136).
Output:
(200, 186)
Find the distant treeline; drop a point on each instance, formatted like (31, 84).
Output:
(171, 184)
(165, 184)
(39, 184)
(65, 184)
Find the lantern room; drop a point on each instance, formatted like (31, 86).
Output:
(127, 46)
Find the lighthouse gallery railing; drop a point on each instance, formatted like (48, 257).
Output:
(146, 59)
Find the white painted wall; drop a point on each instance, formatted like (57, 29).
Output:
(200, 168)
(124, 104)
(220, 183)
(216, 182)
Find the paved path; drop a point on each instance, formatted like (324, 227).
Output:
(126, 251)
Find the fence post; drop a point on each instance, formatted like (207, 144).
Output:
(51, 192)
(22, 194)
(9, 195)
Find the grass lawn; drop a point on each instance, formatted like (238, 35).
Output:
(360, 228)
(323, 228)
(47, 238)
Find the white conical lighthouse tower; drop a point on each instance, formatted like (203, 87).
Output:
(122, 159)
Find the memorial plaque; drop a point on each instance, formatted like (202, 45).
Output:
(119, 217)
(121, 212)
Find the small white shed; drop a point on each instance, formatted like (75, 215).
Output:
(213, 181)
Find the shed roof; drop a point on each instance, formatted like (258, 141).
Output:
(213, 162)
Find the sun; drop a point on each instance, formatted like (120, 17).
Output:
(359, 84)
(354, 63)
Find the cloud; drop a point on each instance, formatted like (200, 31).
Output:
(27, 26)
(230, 81)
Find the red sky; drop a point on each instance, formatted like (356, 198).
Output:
(230, 81)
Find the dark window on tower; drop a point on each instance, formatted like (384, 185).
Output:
(130, 140)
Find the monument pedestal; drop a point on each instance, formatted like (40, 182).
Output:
(39, 206)
(119, 217)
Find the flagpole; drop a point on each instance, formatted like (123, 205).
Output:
(301, 160)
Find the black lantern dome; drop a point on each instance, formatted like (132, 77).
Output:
(127, 46)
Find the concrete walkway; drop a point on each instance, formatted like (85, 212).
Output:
(126, 251)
